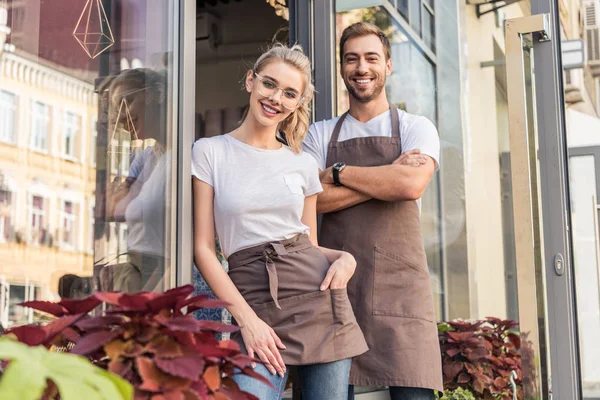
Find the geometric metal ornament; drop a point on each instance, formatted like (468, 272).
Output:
(123, 132)
(92, 31)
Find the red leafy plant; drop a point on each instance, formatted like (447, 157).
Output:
(479, 356)
(149, 340)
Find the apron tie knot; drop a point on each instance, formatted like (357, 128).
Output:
(275, 250)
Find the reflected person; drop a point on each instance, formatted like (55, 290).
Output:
(139, 98)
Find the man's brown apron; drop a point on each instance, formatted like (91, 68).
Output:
(390, 292)
(280, 281)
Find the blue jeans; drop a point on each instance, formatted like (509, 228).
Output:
(319, 381)
(403, 393)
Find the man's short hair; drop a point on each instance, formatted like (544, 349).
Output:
(361, 29)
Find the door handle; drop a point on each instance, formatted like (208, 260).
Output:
(525, 192)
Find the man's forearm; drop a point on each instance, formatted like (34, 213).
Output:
(393, 182)
(336, 198)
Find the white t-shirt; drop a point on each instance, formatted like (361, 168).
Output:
(145, 213)
(416, 132)
(259, 194)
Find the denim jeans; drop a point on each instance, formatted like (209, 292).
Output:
(319, 381)
(403, 393)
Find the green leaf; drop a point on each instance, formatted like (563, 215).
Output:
(19, 382)
(75, 377)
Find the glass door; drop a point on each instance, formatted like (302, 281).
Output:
(494, 218)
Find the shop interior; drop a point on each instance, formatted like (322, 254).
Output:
(230, 36)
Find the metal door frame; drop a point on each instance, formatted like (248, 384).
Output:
(561, 317)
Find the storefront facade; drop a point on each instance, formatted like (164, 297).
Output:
(510, 222)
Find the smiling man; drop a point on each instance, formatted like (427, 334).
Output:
(376, 162)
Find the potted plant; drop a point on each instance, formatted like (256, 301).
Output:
(149, 339)
(484, 356)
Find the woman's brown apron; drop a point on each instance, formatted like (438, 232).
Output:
(280, 281)
(390, 292)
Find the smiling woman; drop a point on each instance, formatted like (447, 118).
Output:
(287, 294)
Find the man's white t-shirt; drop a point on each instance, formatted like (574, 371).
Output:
(259, 194)
(416, 132)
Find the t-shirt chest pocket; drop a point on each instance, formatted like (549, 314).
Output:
(294, 183)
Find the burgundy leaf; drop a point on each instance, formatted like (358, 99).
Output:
(207, 304)
(165, 347)
(242, 361)
(80, 306)
(208, 350)
(58, 325)
(71, 335)
(111, 298)
(477, 354)
(184, 302)
(463, 378)
(460, 336)
(185, 323)
(200, 387)
(29, 335)
(136, 302)
(453, 352)
(189, 366)
(151, 376)
(500, 383)
(191, 394)
(170, 298)
(99, 322)
(94, 341)
(45, 306)
(229, 345)
(452, 369)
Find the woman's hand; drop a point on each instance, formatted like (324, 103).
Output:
(261, 339)
(340, 272)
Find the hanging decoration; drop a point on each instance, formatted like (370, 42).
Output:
(93, 32)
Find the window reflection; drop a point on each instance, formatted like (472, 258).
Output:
(85, 195)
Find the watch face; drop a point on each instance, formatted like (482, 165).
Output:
(339, 166)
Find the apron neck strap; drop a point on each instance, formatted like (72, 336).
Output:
(338, 127)
(395, 121)
(395, 124)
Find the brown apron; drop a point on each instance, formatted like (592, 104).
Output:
(280, 281)
(390, 291)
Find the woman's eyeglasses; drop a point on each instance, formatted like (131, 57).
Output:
(289, 99)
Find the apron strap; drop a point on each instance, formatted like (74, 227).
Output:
(395, 125)
(338, 127)
(395, 121)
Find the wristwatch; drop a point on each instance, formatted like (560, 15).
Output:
(336, 169)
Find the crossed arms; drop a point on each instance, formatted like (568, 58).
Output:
(405, 179)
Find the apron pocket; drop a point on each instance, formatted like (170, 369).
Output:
(343, 316)
(400, 288)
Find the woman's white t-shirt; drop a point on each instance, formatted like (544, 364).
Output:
(259, 194)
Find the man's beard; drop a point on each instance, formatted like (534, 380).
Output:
(365, 97)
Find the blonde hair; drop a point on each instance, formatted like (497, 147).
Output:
(295, 126)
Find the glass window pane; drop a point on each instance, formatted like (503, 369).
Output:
(428, 29)
(414, 10)
(403, 8)
(8, 116)
(90, 88)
